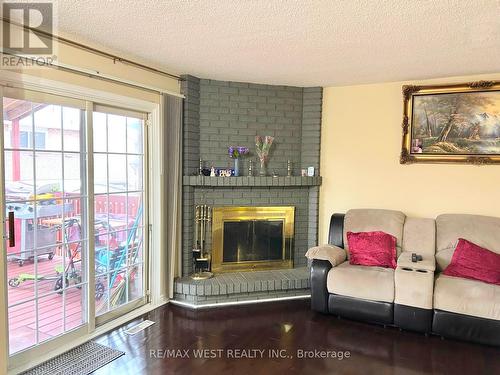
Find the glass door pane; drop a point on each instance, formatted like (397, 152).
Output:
(119, 203)
(44, 161)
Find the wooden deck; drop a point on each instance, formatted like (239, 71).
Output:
(52, 320)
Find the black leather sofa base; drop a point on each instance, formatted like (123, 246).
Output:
(361, 309)
(413, 318)
(467, 328)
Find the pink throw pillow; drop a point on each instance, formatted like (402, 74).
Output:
(471, 261)
(372, 249)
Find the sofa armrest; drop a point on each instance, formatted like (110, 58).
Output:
(414, 282)
(319, 292)
(334, 254)
(427, 263)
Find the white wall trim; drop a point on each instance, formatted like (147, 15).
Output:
(155, 187)
(4, 325)
(236, 303)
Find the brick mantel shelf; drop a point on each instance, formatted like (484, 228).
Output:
(251, 181)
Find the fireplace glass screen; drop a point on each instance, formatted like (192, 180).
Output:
(253, 240)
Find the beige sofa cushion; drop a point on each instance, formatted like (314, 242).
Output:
(481, 230)
(370, 220)
(334, 254)
(468, 297)
(371, 283)
(419, 236)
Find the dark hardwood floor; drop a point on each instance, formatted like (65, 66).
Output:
(289, 326)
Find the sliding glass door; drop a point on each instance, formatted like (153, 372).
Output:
(119, 210)
(45, 204)
(58, 208)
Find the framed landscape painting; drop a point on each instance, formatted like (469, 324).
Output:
(457, 123)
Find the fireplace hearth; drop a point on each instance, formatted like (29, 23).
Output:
(252, 238)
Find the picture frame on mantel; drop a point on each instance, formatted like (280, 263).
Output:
(456, 123)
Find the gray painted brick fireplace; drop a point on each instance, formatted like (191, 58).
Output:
(218, 114)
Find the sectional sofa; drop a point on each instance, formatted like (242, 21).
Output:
(415, 295)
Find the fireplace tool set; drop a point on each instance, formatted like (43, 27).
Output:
(201, 257)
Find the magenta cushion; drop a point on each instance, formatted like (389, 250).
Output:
(471, 261)
(372, 249)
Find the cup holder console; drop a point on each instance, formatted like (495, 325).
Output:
(412, 269)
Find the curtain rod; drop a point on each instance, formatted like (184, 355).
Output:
(99, 76)
(96, 51)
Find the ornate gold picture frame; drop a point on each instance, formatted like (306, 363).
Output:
(457, 123)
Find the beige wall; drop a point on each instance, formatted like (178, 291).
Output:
(360, 146)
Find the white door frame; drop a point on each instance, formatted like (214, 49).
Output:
(24, 360)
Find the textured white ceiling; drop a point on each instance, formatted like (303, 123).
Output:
(306, 43)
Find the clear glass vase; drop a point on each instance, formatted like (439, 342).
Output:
(263, 168)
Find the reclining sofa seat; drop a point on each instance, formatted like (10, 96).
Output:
(466, 309)
(376, 294)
